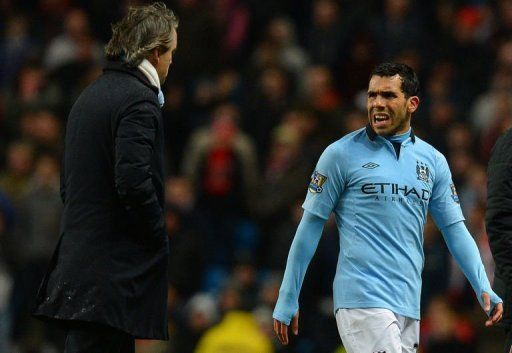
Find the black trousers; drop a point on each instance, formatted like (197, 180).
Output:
(508, 344)
(84, 337)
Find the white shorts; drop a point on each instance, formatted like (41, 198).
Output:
(375, 330)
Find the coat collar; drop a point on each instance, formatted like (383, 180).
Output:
(372, 134)
(121, 67)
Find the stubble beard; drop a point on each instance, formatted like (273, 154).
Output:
(393, 130)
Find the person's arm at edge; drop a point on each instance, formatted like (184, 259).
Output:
(465, 251)
(301, 252)
(62, 181)
(499, 210)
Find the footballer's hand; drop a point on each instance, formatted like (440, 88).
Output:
(497, 312)
(281, 329)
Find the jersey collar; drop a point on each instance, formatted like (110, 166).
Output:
(372, 134)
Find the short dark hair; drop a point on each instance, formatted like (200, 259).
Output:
(410, 83)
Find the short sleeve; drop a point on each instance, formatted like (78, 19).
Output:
(444, 204)
(327, 183)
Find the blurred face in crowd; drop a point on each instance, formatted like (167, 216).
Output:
(77, 24)
(46, 172)
(19, 159)
(281, 31)
(389, 110)
(273, 84)
(318, 80)
(31, 80)
(16, 27)
(162, 61)
(325, 13)
(397, 8)
(224, 124)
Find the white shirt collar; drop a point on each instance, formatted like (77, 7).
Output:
(150, 72)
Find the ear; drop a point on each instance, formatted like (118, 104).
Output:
(154, 57)
(412, 104)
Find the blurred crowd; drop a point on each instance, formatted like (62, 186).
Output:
(257, 90)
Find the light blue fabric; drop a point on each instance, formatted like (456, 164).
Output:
(161, 99)
(399, 138)
(463, 248)
(380, 204)
(302, 250)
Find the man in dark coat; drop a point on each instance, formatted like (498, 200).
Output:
(107, 282)
(499, 224)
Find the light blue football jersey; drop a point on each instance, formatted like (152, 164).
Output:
(380, 203)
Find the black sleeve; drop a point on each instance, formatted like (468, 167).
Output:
(62, 181)
(499, 212)
(134, 147)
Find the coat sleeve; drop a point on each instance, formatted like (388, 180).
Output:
(62, 181)
(134, 147)
(499, 208)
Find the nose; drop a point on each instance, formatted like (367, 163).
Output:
(378, 102)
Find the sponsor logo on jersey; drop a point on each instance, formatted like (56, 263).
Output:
(370, 165)
(317, 180)
(395, 189)
(455, 197)
(422, 171)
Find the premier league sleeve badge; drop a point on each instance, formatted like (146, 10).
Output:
(317, 180)
(455, 197)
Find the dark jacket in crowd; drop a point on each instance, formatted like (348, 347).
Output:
(110, 265)
(499, 220)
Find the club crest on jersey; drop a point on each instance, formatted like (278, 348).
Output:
(422, 171)
(317, 180)
(455, 197)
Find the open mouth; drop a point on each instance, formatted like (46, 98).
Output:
(380, 119)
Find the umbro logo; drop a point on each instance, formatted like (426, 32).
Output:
(370, 165)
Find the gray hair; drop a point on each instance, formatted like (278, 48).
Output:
(142, 30)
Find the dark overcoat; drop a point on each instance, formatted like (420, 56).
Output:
(499, 220)
(110, 265)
